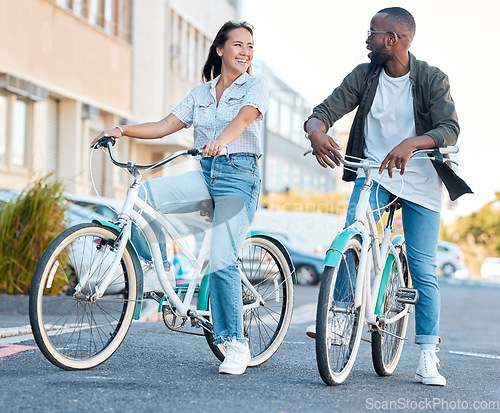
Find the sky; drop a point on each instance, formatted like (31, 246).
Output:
(312, 45)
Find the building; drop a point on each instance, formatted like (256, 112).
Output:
(284, 165)
(72, 68)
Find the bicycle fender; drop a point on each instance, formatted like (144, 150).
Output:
(334, 253)
(202, 303)
(280, 246)
(397, 240)
(137, 267)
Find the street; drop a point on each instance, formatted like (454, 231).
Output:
(157, 369)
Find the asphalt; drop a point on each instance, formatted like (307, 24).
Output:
(14, 309)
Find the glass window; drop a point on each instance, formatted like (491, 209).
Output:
(19, 133)
(286, 122)
(3, 129)
(94, 12)
(273, 115)
(109, 23)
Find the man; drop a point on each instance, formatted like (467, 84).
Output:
(403, 104)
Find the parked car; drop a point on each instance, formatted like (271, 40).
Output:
(491, 268)
(307, 260)
(450, 261)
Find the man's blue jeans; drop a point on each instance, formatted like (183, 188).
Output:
(232, 184)
(421, 232)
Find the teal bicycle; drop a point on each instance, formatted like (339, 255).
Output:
(88, 285)
(365, 282)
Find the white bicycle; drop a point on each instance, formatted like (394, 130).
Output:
(88, 285)
(365, 282)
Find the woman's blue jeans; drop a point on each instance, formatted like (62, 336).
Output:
(232, 184)
(421, 232)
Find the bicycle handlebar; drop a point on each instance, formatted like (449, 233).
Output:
(109, 142)
(435, 154)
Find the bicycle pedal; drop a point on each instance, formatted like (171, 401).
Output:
(407, 295)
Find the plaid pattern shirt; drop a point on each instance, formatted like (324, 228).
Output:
(199, 108)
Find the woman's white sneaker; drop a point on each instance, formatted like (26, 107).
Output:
(237, 358)
(427, 372)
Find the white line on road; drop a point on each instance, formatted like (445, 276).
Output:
(480, 355)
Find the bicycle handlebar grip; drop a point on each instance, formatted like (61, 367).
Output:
(103, 142)
(194, 152)
(449, 149)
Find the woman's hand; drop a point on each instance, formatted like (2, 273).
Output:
(114, 133)
(213, 148)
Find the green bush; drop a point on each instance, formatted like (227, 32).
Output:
(27, 226)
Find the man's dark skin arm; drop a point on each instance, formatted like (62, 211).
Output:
(324, 147)
(400, 154)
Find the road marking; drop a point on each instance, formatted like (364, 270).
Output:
(10, 349)
(480, 355)
(304, 314)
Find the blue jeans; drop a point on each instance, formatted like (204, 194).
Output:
(232, 184)
(421, 232)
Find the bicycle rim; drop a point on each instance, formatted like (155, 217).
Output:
(387, 349)
(73, 331)
(265, 326)
(339, 322)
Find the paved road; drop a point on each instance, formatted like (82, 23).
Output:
(165, 371)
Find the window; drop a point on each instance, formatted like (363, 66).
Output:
(188, 49)
(114, 16)
(286, 122)
(273, 115)
(15, 121)
(19, 133)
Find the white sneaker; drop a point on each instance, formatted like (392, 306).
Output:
(311, 331)
(427, 372)
(237, 358)
(151, 280)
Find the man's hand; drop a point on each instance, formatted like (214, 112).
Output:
(325, 148)
(399, 155)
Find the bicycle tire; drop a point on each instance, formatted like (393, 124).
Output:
(386, 349)
(267, 268)
(339, 323)
(73, 332)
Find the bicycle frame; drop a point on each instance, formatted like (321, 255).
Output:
(130, 215)
(365, 226)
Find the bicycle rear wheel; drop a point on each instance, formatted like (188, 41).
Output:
(386, 349)
(339, 322)
(265, 326)
(72, 330)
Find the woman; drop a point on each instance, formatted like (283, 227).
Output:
(226, 112)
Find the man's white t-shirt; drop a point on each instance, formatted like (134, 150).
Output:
(388, 123)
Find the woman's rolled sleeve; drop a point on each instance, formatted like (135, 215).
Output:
(185, 110)
(258, 96)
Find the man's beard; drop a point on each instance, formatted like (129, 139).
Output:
(380, 56)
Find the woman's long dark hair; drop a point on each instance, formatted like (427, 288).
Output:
(213, 64)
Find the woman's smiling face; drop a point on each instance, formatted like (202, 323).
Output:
(237, 53)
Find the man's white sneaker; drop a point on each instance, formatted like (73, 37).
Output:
(311, 331)
(237, 358)
(427, 372)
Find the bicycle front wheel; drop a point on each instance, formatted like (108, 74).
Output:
(73, 330)
(266, 267)
(339, 322)
(386, 348)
